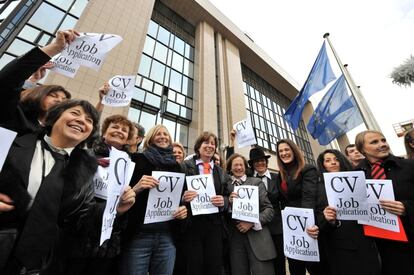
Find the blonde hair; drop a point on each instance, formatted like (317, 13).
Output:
(298, 160)
(149, 138)
(179, 145)
(360, 139)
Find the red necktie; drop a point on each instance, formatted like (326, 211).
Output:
(206, 167)
(377, 171)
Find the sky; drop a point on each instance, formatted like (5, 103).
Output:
(372, 37)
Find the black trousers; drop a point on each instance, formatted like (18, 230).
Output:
(280, 261)
(204, 246)
(396, 257)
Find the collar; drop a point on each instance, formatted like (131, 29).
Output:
(267, 174)
(242, 179)
(198, 161)
(62, 151)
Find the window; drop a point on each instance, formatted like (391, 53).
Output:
(265, 106)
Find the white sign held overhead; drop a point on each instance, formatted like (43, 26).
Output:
(120, 92)
(297, 244)
(64, 66)
(244, 133)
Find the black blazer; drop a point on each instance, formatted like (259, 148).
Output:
(12, 115)
(302, 191)
(275, 224)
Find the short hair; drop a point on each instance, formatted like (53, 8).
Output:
(140, 128)
(408, 137)
(360, 139)
(202, 138)
(123, 120)
(298, 160)
(230, 162)
(344, 164)
(31, 99)
(349, 146)
(149, 139)
(179, 145)
(56, 112)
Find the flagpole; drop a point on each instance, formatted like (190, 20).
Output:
(366, 113)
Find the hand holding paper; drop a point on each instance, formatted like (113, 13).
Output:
(189, 195)
(127, 201)
(146, 182)
(181, 213)
(6, 204)
(313, 231)
(58, 44)
(394, 207)
(217, 201)
(330, 214)
(243, 227)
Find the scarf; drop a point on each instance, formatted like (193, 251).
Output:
(160, 157)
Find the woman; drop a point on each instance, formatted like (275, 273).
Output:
(251, 248)
(47, 181)
(25, 112)
(396, 257)
(179, 152)
(149, 248)
(409, 143)
(204, 233)
(298, 187)
(88, 257)
(348, 250)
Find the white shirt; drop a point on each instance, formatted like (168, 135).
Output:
(36, 166)
(266, 177)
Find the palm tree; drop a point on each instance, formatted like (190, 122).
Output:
(403, 75)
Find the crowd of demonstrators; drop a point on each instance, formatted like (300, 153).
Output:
(50, 218)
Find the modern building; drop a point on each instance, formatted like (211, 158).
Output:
(195, 69)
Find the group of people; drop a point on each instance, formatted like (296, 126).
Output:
(50, 218)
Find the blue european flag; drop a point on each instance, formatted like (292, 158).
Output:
(320, 75)
(336, 114)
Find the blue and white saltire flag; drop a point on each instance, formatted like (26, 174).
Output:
(320, 75)
(335, 115)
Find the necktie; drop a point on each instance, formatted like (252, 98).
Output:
(377, 171)
(206, 168)
(39, 232)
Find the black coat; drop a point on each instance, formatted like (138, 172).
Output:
(401, 172)
(13, 115)
(275, 225)
(76, 208)
(302, 191)
(346, 248)
(136, 213)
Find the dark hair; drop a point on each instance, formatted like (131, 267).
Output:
(202, 138)
(118, 119)
(56, 111)
(408, 137)
(31, 99)
(344, 164)
(230, 162)
(140, 128)
(349, 146)
(298, 159)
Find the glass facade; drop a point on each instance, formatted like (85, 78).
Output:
(39, 30)
(265, 107)
(164, 85)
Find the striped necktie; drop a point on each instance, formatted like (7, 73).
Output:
(377, 171)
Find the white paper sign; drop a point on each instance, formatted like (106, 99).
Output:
(346, 192)
(90, 49)
(63, 65)
(244, 133)
(100, 180)
(296, 242)
(378, 217)
(120, 92)
(204, 186)
(246, 205)
(164, 199)
(6, 137)
(118, 174)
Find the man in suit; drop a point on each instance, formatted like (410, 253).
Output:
(259, 162)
